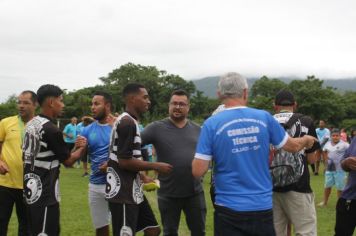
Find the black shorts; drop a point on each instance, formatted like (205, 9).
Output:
(42, 219)
(138, 217)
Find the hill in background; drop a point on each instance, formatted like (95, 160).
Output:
(208, 85)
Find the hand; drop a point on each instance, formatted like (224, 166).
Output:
(146, 179)
(80, 142)
(350, 163)
(3, 168)
(163, 168)
(103, 167)
(309, 141)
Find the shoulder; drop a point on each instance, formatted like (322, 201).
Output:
(194, 125)
(9, 119)
(125, 121)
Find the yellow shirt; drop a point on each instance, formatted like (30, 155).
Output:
(11, 131)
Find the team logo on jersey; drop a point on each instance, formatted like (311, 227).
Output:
(32, 188)
(137, 193)
(113, 183)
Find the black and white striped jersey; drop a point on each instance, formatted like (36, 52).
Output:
(43, 150)
(124, 186)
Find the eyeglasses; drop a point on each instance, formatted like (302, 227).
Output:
(178, 104)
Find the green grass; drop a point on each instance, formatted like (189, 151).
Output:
(75, 216)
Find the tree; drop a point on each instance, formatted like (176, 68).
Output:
(8, 108)
(263, 91)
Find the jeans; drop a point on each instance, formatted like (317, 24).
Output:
(9, 197)
(228, 222)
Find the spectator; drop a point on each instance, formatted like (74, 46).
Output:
(11, 164)
(334, 150)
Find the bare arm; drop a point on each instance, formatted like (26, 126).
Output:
(199, 167)
(73, 157)
(134, 164)
(349, 164)
(297, 144)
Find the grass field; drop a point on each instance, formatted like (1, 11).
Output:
(75, 216)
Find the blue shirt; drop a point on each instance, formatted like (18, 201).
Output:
(98, 137)
(349, 192)
(72, 130)
(238, 140)
(323, 135)
(80, 128)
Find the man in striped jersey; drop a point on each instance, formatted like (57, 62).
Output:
(129, 208)
(43, 151)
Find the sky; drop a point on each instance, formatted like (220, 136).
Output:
(72, 43)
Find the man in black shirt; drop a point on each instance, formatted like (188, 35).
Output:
(43, 151)
(295, 203)
(129, 208)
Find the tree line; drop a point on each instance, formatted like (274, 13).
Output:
(314, 99)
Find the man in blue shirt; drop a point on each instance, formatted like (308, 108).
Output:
(70, 133)
(97, 135)
(238, 140)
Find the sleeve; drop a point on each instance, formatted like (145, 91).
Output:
(57, 144)
(312, 132)
(348, 151)
(204, 148)
(85, 132)
(278, 135)
(2, 131)
(126, 131)
(148, 134)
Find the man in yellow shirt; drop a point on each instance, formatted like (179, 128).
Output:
(11, 165)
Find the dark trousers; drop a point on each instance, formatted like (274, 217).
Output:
(194, 209)
(9, 197)
(255, 223)
(44, 219)
(345, 217)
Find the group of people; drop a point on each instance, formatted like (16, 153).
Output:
(242, 143)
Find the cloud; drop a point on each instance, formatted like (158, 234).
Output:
(73, 43)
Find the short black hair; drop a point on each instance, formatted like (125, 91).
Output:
(107, 97)
(180, 92)
(33, 95)
(132, 88)
(48, 90)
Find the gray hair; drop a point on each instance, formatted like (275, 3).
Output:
(232, 85)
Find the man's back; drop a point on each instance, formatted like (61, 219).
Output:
(238, 140)
(302, 126)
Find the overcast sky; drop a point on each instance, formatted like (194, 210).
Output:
(73, 43)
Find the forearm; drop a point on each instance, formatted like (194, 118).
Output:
(77, 154)
(199, 167)
(134, 164)
(295, 144)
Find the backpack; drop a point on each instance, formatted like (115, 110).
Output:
(286, 167)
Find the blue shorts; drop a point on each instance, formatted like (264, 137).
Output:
(336, 178)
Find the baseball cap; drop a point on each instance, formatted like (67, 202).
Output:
(284, 98)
